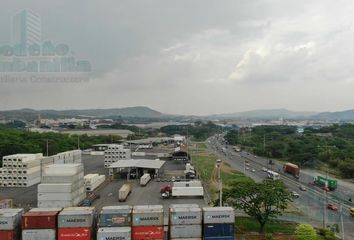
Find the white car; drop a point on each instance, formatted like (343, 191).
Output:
(264, 169)
(295, 194)
(253, 170)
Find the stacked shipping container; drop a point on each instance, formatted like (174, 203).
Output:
(115, 153)
(40, 225)
(92, 181)
(20, 170)
(115, 223)
(62, 186)
(185, 221)
(10, 222)
(148, 222)
(219, 223)
(76, 223)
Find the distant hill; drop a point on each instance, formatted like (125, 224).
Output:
(266, 114)
(347, 115)
(138, 112)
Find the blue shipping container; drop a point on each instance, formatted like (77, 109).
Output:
(219, 231)
(115, 220)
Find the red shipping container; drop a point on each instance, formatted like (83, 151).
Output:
(74, 233)
(40, 220)
(147, 232)
(8, 235)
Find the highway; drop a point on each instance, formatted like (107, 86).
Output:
(312, 202)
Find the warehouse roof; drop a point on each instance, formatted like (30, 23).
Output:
(138, 163)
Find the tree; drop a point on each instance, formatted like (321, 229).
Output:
(262, 201)
(305, 232)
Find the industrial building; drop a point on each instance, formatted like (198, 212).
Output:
(115, 153)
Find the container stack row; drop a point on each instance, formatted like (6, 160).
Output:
(21, 170)
(148, 222)
(10, 223)
(62, 186)
(185, 222)
(115, 223)
(219, 223)
(73, 156)
(93, 181)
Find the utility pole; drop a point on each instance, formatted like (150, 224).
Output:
(78, 142)
(218, 165)
(341, 219)
(47, 146)
(264, 143)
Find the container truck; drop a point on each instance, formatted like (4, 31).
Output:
(145, 179)
(325, 182)
(181, 191)
(292, 169)
(123, 192)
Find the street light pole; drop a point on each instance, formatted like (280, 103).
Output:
(218, 165)
(341, 219)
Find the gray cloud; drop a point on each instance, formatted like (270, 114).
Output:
(195, 57)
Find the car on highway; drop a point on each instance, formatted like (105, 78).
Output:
(352, 211)
(264, 169)
(302, 188)
(253, 170)
(332, 207)
(295, 194)
(247, 168)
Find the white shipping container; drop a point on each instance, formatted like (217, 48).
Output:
(185, 216)
(93, 185)
(55, 187)
(218, 215)
(186, 231)
(114, 233)
(187, 191)
(57, 196)
(145, 179)
(62, 179)
(39, 234)
(55, 204)
(63, 169)
(148, 215)
(188, 184)
(124, 192)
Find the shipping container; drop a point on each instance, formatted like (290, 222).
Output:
(6, 203)
(148, 215)
(10, 234)
(184, 205)
(115, 216)
(123, 192)
(185, 215)
(218, 215)
(186, 231)
(145, 179)
(40, 220)
(39, 234)
(114, 233)
(76, 218)
(45, 209)
(74, 234)
(10, 218)
(219, 230)
(148, 233)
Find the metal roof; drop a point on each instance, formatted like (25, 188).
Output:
(139, 163)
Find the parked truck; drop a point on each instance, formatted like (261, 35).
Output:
(292, 169)
(145, 179)
(183, 189)
(123, 192)
(325, 183)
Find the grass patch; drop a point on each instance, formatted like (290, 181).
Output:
(246, 224)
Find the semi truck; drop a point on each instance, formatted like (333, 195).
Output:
(292, 169)
(123, 192)
(325, 182)
(183, 189)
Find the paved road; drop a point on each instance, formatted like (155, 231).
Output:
(311, 202)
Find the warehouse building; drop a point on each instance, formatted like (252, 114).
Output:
(135, 168)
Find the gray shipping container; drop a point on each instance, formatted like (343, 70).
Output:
(184, 216)
(186, 231)
(218, 215)
(115, 216)
(148, 215)
(75, 218)
(10, 218)
(184, 205)
(39, 234)
(114, 233)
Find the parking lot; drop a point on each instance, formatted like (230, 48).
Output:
(150, 194)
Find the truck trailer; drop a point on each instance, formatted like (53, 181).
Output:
(292, 169)
(123, 192)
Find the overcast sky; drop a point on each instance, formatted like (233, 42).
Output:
(195, 56)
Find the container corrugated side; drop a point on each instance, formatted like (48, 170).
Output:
(149, 215)
(184, 216)
(10, 219)
(147, 232)
(75, 219)
(10, 234)
(186, 231)
(114, 233)
(39, 234)
(39, 220)
(74, 234)
(219, 230)
(218, 215)
(114, 220)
